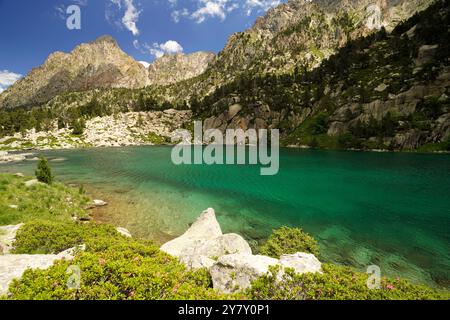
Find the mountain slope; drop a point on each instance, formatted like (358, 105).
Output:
(98, 64)
(387, 91)
(172, 68)
(302, 32)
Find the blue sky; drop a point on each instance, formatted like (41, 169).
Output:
(32, 29)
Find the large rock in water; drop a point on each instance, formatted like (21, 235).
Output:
(235, 272)
(204, 242)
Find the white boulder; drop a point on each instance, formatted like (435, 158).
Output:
(124, 232)
(235, 272)
(301, 262)
(205, 228)
(99, 203)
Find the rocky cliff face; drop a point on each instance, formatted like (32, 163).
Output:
(98, 64)
(384, 91)
(303, 32)
(172, 68)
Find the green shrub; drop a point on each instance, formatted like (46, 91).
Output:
(45, 237)
(78, 127)
(44, 172)
(288, 241)
(127, 270)
(336, 283)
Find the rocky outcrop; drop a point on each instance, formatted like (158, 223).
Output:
(228, 257)
(204, 229)
(12, 266)
(204, 242)
(98, 64)
(172, 68)
(7, 237)
(301, 262)
(235, 272)
(124, 232)
(125, 129)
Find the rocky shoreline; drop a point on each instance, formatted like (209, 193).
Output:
(229, 258)
(123, 129)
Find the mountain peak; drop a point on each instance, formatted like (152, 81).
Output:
(105, 39)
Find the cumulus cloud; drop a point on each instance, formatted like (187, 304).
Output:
(211, 9)
(219, 8)
(131, 17)
(130, 14)
(260, 5)
(159, 49)
(7, 78)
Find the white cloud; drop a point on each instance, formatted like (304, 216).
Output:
(260, 5)
(130, 17)
(177, 14)
(210, 8)
(169, 47)
(219, 8)
(7, 78)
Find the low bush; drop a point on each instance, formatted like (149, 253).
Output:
(288, 241)
(45, 237)
(127, 270)
(336, 283)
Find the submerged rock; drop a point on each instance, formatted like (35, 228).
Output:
(99, 203)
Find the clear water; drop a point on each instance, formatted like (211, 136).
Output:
(388, 209)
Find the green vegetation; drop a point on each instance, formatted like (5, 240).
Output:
(288, 241)
(116, 267)
(336, 283)
(46, 237)
(112, 267)
(40, 201)
(44, 172)
(155, 138)
(78, 127)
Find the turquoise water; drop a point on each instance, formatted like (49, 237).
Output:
(388, 209)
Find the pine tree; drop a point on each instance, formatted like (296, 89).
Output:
(44, 172)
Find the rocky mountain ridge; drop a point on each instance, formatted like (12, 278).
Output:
(99, 64)
(172, 68)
